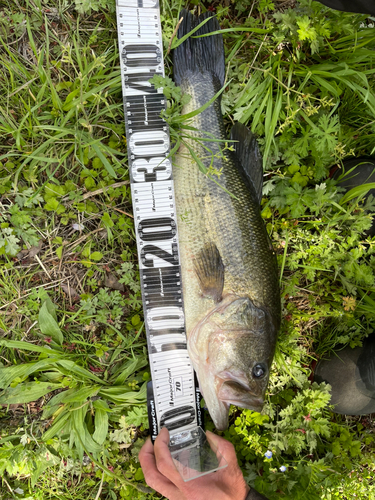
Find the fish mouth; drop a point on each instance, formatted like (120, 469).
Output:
(221, 390)
(236, 391)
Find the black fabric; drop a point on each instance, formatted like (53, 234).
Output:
(359, 6)
(366, 364)
(254, 495)
(351, 375)
(355, 172)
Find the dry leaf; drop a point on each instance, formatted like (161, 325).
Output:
(27, 256)
(70, 291)
(349, 303)
(112, 282)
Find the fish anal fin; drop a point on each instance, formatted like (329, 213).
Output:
(249, 157)
(209, 269)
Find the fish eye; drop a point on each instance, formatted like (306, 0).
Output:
(259, 370)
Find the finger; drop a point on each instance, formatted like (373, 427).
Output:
(232, 475)
(147, 449)
(223, 448)
(164, 460)
(153, 476)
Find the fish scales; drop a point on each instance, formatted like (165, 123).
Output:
(244, 317)
(234, 224)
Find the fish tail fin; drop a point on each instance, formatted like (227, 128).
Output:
(199, 54)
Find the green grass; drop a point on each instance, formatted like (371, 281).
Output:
(73, 360)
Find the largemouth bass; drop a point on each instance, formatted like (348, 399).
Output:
(229, 269)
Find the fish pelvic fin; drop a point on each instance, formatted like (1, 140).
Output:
(249, 158)
(209, 269)
(199, 54)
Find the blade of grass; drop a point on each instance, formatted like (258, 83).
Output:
(284, 258)
(177, 42)
(356, 192)
(187, 116)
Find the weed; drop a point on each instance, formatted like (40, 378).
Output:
(73, 362)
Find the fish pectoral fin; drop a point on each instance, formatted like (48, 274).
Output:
(209, 269)
(249, 157)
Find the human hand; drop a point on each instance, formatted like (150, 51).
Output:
(161, 474)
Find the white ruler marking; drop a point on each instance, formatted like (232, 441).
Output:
(141, 57)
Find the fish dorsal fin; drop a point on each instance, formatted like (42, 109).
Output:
(209, 269)
(249, 157)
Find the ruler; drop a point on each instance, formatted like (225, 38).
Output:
(173, 395)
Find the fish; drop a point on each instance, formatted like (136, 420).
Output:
(229, 269)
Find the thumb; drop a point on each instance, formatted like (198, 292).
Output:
(164, 436)
(224, 447)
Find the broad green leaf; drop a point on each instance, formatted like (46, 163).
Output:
(137, 416)
(90, 445)
(57, 426)
(139, 476)
(136, 320)
(52, 205)
(106, 220)
(26, 346)
(70, 368)
(51, 307)
(78, 422)
(129, 368)
(9, 373)
(81, 395)
(122, 395)
(53, 404)
(78, 412)
(100, 404)
(77, 438)
(59, 251)
(96, 256)
(70, 98)
(13, 437)
(27, 392)
(53, 376)
(63, 86)
(48, 325)
(101, 421)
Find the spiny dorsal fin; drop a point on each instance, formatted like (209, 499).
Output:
(209, 269)
(248, 154)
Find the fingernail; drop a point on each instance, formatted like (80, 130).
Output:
(164, 434)
(213, 438)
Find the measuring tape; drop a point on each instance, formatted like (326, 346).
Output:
(173, 396)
